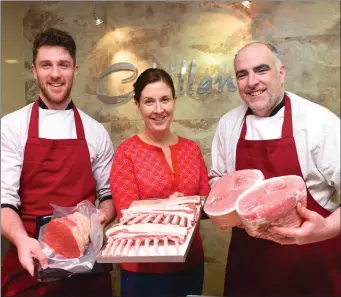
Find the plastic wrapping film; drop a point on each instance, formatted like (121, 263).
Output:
(59, 266)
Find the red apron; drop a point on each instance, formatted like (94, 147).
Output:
(59, 172)
(258, 267)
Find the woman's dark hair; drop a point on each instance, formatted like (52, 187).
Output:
(54, 37)
(149, 76)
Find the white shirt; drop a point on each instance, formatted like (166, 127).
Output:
(53, 124)
(317, 136)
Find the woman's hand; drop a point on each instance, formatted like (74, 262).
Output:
(176, 195)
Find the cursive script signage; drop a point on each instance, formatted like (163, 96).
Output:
(114, 68)
(205, 85)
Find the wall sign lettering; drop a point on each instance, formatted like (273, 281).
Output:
(205, 85)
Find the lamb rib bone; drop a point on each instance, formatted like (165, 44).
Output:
(121, 238)
(181, 210)
(164, 203)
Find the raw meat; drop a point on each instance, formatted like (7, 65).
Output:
(183, 211)
(152, 226)
(220, 203)
(68, 236)
(121, 238)
(272, 203)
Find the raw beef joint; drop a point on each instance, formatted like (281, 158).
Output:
(68, 236)
(271, 203)
(220, 203)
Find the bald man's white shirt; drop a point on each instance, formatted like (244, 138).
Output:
(317, 137)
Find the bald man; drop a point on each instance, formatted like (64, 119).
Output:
(281, 133)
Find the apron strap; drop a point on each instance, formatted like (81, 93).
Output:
(33, 128)
(287, 130)
(244, 128)
(79, 124)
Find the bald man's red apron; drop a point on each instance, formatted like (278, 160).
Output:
(58, 172)
(258, 267)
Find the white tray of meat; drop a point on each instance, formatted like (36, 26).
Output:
(153, 230)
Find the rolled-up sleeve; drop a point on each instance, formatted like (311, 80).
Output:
(102, 166)
(11, 165)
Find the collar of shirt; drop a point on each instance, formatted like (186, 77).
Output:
(43, 105)
(276, 109)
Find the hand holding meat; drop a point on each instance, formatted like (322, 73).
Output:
(30, 248)
(315, 228)
(176, 194)
(107, 212)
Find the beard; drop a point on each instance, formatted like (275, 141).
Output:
(52, 99)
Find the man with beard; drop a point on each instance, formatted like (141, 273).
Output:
(51, 152)
(281, 133)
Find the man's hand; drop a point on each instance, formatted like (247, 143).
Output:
(315, 228)
(241, 225)
(107, 212)
(102, 218)
(30, 248)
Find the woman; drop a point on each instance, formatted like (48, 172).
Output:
(157, 164)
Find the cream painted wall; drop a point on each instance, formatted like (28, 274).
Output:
(12, 43)
(12, 75)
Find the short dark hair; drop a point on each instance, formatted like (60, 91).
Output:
(149, 76)
(54, 37)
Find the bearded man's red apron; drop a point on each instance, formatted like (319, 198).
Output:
(58, 172)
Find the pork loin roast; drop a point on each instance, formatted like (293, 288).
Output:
(220, 203)
(272, 203)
